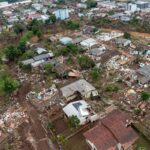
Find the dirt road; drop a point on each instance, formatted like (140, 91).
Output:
(32, 133)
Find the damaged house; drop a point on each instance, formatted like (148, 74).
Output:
(143, 74)
(79, 87)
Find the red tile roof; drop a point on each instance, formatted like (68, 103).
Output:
(111, 131)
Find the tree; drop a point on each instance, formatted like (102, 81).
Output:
(22, 44)
(53, 18)
(145, 96)
(127, 35)
(18, 28)
(91, 3)
(72, 25)
(9, 85)
(73, 122)
(12, 52)
(85, 62)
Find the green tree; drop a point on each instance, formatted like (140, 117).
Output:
(18, 28)
(72, 25)
(91, 3)
(53, 18)
(73, 122)
(145, 96)
(85, 62)
(127, 35)
(9, 85)
(12, 52)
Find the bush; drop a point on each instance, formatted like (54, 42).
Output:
(48, 68)
(85, 62)
(145, 96)
(26, 68)
(127, 35)
(95, 73)
(72, 25)
(91, 3)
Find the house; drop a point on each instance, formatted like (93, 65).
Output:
(43, 56)
(81, 109)
(37, 60)
(142, 5)
(122, 42)
(28, 61)
(97, 51)
(81, 87)
(143, 74)
(65, 40)
(81, 6)
(88, 43)
(61, 14)
(111, 133)
(40, 50)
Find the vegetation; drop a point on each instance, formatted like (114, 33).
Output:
(7, 84)
(95, 73)
(72, 25)
(111, 88)
(91, 3)
(127, 35)
(145, 96)
(73, 122)
(48, 68)
(12, 52)
(85, 62)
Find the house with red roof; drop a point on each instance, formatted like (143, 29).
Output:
(111, 133)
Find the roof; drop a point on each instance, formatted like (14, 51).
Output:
(97, 51)
(77, 108)
(28, 61)
(145, 71)
(81, 86)
(40, 50)
(43, 56)
(122, 40)
(111, 131)
(88, 42)
(65, 40)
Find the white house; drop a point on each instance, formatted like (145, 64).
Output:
(88, 43)
(61, 14)
(81, 109)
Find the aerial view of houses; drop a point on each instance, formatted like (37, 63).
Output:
(74, 74)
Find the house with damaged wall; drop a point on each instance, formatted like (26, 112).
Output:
(80, 87)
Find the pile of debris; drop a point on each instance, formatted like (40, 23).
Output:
(12, 118)
(44, 99)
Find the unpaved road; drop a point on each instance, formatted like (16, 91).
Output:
(32, 133)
